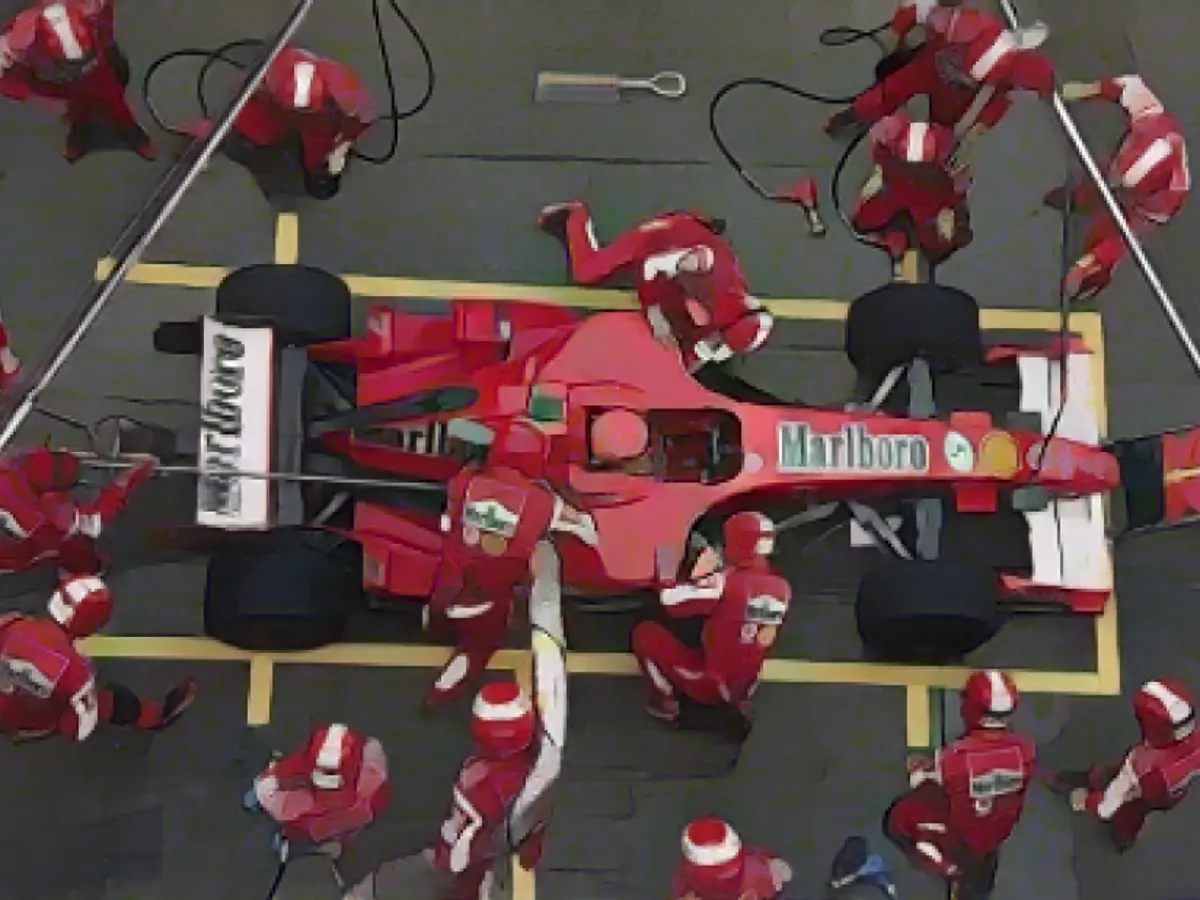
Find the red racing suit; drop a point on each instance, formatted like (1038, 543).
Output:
(39, 525)
(965, 804)
(958, 41)
(1147, 201)
(48, 687)
(94, 93)
(272, 116)
(698, 311)
(495, 516)
(755, 880)
(1149, 779)
(913, 187)
(745, 607)
(311, 817)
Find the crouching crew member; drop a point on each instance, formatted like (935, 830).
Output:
(65, 52)
(966, 801)
(48, 687)
(1155, 775)
(716, 866)
(744, 605)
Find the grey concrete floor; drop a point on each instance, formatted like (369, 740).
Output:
(160, 817)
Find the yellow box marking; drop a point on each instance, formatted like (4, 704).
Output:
(1105, 680)
(262, 685)
(287, 239)
(917, 716)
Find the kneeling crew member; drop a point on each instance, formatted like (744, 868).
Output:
(716, 866)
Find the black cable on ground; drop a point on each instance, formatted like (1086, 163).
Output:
(394, 115)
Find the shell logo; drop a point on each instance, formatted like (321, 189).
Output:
(999, 455)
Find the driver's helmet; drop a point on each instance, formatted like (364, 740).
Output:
(62, 48)
(619, 435)
(748, 537)
(296, 78)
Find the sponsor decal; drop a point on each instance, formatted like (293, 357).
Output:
(490, 516)
(235, 426)
(960, 455)
(766, 610)
(999, 455)
(853, 449)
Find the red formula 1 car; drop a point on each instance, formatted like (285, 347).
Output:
(285, 388)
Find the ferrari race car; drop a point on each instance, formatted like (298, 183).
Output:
(361, 432)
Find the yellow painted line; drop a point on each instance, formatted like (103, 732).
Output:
(910, 267)
(287, 239)
(399, 656)
(262, 685)
(191, 649)
(792, 671)
(524, 885)
(1108, 641)
(917, 716)
(389, 288)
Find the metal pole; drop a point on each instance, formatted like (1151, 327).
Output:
(133, 254)
(92, 461)
(1118, 215)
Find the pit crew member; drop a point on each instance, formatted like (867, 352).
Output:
(41, 524)
(1148, 174)
(48, 687)
(914, 188)
(968, 66)
(65, 51)
(501, 797)
(496, 514)
(689, 281)
(325, 794)
(965, 802)
(716, 866)
(319, 103)
(744, 604)
(1155, 775)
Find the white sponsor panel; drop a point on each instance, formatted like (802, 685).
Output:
(235, 426)
(852, 450)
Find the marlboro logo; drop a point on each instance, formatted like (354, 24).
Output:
(491, 516)
(852, 450)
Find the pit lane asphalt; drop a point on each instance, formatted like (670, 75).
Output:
(160, 817)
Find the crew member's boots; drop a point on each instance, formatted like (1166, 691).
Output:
(139, 140)
(663, 708)
(553, 220)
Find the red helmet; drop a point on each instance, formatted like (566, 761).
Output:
(619, 435)
(923, 142)
(51, 470)
(335, 755)
(63, 34)
(1154, 166)
(1165, 712)
(749, 332)
(988, 699)
(502, 720)
(748, 536)
(712, 854)
(295, 79)
(81, 606)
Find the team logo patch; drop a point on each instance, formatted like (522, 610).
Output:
(853, 449)
(960, 455)
(766, 610)
(491, 516)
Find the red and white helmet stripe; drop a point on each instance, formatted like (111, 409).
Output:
(60, 22)
(985, 56)
(1178, 709)
(501, 706)
(1157, 153)
(82, 605)
(331, 755)
(710, 842)
(303, 75)
(919, 143)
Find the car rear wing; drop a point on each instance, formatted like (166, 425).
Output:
(1160, 481)
(242, 428)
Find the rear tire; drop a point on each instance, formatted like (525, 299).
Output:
(293, 591)
(897, 323)
(928, 612)
(304, 305)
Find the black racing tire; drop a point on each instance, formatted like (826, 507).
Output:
(303, 304)
(927, 612)
(293, 591)
(899, 322)
(180, 338)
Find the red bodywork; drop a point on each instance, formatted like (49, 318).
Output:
(711, 451)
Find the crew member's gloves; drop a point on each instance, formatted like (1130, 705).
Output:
(336, 161)
(781, 873)
(946, 221)
(7, 58)
(1077, 90)
(873, 185)
(1078, 798)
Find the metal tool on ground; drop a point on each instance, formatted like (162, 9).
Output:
(573, 87)
(93, 461)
